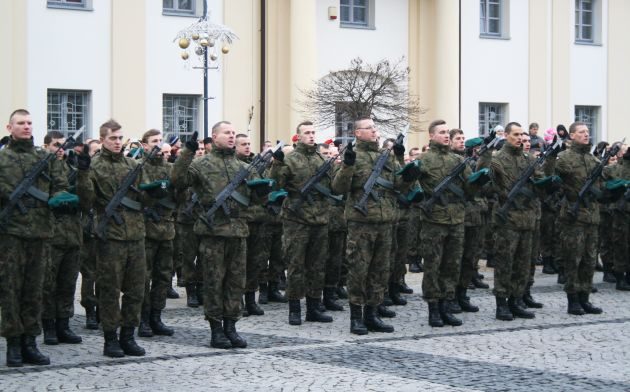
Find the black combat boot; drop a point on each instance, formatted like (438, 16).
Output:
(357, 326)
(447, 316)
(404, 288)
(128, 343)
(171, 293)
(50, 332)
(434, 315)
(275, 295)
(65, 334)
(282, 284)
(180, 278)
(30, 352)
(609, 275)
(199, 288)
(387, 301)
(157, 326)
(415, 266)
(342, 293)
(250, 304)
(574, 307)
(394, 294)
(464, 301)
(372, 322)
(229, 329)
(478, 283)
(144, 330)
(263, 293)
(587, 305)
(191, 296)
(218, 338)
(490, 260)
(329, 300)
(384, 311)
(313, 312)
(562, 278)
(14, 352)
(90, 318)
(548, 266)
(112, 345)
(529, 300)
(503, 310)
(453, 306)
(621, 284)
(517, 307)
(295, 312)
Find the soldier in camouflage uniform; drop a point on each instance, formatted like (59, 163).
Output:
(188, 247)
(63, 269)
(23, 242)
(579, 234)
(369, 244)
(159, 221)
(305, 226)
(222, 242)
(120, 264)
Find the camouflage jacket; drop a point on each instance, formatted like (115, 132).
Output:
(298, 167)
(68, 231)
(350, 180)
(97, 186)
(15, 161)
(574, 166)
(164, 228)
(437, 163)
(256, 212)
(476, 205)
(207, 176)
(187, 209)
(618, 171)
(336, 219)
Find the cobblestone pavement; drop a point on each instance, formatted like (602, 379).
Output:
(553, 352)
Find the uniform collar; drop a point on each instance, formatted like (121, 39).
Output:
(367, 146)
(439, 148)
(22, 145)
(107, 154)
(581, 148)
(512, 149)
(306, 149)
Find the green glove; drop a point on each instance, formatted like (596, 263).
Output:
(156, 189)
(262, 186)
(410, 172)
(63, 200)
(480, 177)
(277, 196)
(617, 184)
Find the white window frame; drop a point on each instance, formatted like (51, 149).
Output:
(83, 5)
(176, 11)
(344, 125)
(596, 22)
(351, 22)
(590, 116)
(503, 20)
(69, 117)
(174, 112)
(488, 120)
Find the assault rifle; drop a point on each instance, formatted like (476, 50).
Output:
(368, 187)
(594, 175)
(266, 159)
(120, 195)
(230, 189)
(439, 191)
(519, 186)
(26, 184)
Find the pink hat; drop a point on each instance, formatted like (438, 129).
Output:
(549, 134)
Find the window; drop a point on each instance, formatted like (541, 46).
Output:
(490, 18)
(74, 4)
(68, 111)
(584, 18)
(491, 115)
(357, 13)
(343, 122)
(590, 116)
(178, 7)
(180, 115)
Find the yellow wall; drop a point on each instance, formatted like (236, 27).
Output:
(561, 110)
(13, 80)
(618, 69)
(539, 16)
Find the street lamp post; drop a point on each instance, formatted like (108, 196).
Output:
(205, 37)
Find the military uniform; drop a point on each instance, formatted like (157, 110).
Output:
(188, 246)
(337, 232)
(89, 290)
(23, 251)
(620, 233)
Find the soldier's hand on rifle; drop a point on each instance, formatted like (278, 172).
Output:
(349, 156)
(399, 149)
(556, 150)
(489, 138)
(278, 155)
(193, 144)
(83, 159)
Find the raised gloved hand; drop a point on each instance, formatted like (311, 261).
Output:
(278, 155)
(83, 160)
(480, 177)
(349, 156)
(399, 149)
(193, 144)
(490, 137)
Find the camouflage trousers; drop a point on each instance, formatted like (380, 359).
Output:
(271, 272)
(490, 235)
(621, 241)
(89, 291)
(257, 254)
(579, 253)
(60, 282)
(178, 262)
(368, 253)
(224, 261)
(400, 250)
(305, 250)
(473, 243)
(121, 268)
(336, 255)
(413, 235)
(187, 254)
(536, 242)
(159, 264)
(608, 230)
(547, 233)
(22, 270)
(442, 249)
(513, 260)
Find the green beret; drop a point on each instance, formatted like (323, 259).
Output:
(547, 180)
(478, 175)
(261, 182)
(617, 184)
(415, 195)
(155, 185)
(277, 196)
(474, 142)
(63, 199)
(408, 166)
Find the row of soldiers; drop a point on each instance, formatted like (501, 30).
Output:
(232, 219)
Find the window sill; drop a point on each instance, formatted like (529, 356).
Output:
(182, 14)
(587, 43)
(356, 26)
(67, 7)
(498, 37)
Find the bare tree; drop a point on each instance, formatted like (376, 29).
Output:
(380, 90)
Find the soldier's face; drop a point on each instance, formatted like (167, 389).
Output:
(243, 146)
(113, 141)
(515, 137)
(153, 141)
(457, 143)
(325, 152)
(580, 136)
(54, 146)
(366, 131)
(267, 146)
(441, 135)
(166, 151)
(20, 127)
(225, 136)
(527, 144)
(307, 134)
(94, 148)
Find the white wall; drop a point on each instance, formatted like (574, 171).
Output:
(494, 70)
(68, 49)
